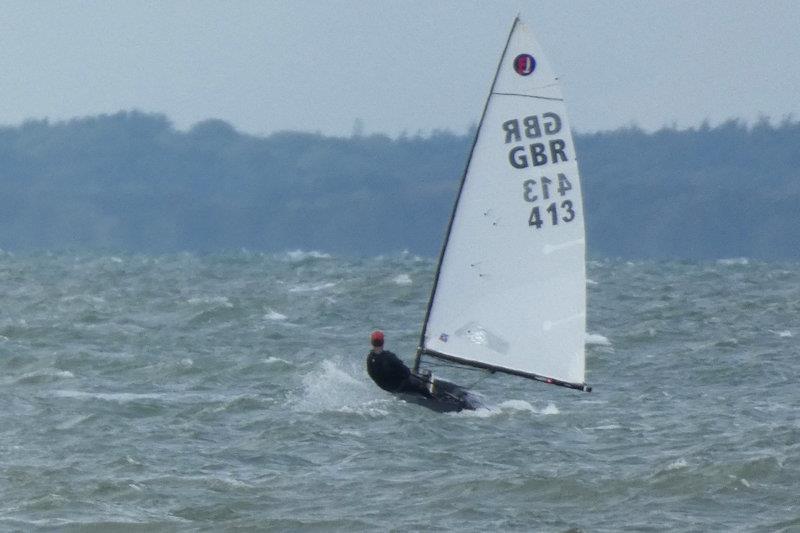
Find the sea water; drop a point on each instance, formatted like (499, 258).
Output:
(228, 392)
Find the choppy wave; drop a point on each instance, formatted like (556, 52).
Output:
(402, 279)
(274, 315)
(300, 255)
(734, 261)
(595, 339)
(314, 287)
(195, 392)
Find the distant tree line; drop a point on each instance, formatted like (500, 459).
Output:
(131, 181)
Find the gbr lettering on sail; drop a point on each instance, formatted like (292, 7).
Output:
(548, 194)
(536, 153)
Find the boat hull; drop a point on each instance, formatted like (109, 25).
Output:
(443, 397)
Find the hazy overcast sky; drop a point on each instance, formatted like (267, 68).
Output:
(411, 65)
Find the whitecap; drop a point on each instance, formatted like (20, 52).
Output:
(482, 412)
(300, 255)
(509, 406)
(273, 360)
(72, 422)
(783, 334)
(274, 315)
(517, 405)
(230, 482)
(590, 282)
(120, 397)
(47, 373)
(679, 463)
(550, 409)
(402, 279)
(213, 300)
(313, 288)
(595, 339)
(83, 298)
(406, 254)
(372, 412)
(734, 261)
(331, 388)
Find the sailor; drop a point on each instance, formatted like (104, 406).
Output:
(384, 367)
(391, 374)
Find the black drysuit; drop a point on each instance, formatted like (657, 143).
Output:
(391, 374)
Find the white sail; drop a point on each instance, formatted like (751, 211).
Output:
(510, 292)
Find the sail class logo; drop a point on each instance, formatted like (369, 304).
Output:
(524, 64)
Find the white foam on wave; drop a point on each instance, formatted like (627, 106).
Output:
(274, 315)
(595, 339)
(121, 397)
(230, 481)
(331, 388)
(72, 422)
(483, 412)
(517, 405)
(734, 261)
(550, 409)
(46, 373)
(213, 300)
(312, 288)
(783, 334)
(404, 255)
(590, 282)
(273, 360)
(88, 298)
(677, 464)
(510, 407)
(607, 427)
(368, 410)
(300, 255)
(402, 279)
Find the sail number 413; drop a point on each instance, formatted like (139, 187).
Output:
(555, 212)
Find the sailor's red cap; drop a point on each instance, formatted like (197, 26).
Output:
(376, 338)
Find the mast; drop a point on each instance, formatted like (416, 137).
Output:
(418, 356)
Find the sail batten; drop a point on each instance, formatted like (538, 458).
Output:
(530, 96)
(510, 288)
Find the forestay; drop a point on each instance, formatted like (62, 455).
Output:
(510, 290)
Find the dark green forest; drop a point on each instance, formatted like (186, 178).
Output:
(132, 182)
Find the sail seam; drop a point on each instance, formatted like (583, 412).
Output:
(531, 96)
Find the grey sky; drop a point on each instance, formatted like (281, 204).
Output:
(411, 65)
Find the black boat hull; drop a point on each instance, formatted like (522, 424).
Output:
(442, 397)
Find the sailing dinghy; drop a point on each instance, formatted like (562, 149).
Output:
(509, 293)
